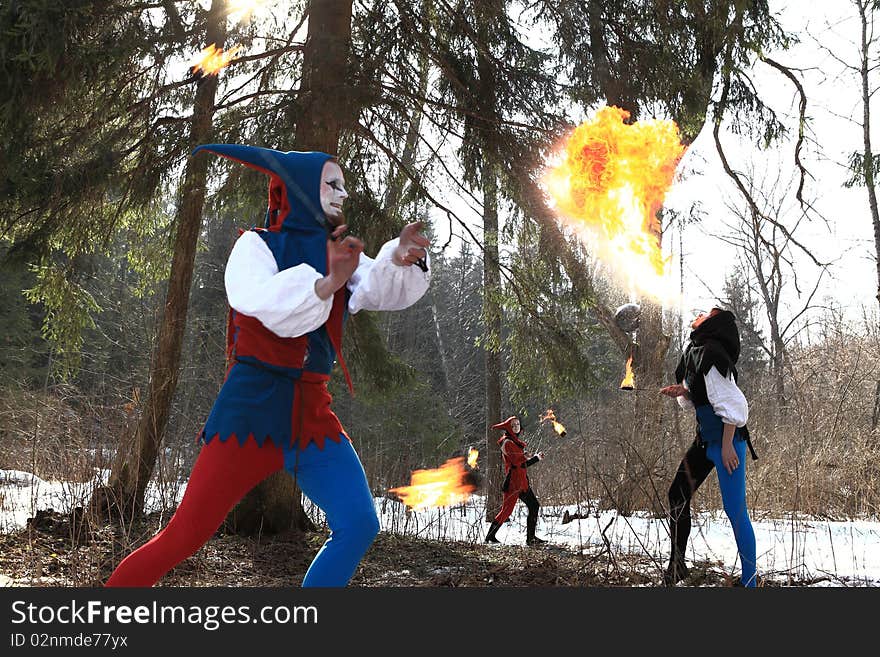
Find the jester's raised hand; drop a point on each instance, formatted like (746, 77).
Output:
(343, 257)
(412, 246)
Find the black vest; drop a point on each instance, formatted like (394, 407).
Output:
(696, 366)
(714, 343)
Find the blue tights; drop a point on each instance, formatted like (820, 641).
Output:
(733, 494)
(334, 479)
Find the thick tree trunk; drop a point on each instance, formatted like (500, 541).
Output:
(324, 98)
(641, 441)
(322, 105)
(602, 67)
(136, 456)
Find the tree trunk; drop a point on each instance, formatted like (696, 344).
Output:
(398, 175)
(868, 154)
(441, 347)
(486, 13)
(324, 98)
(492, 317)
(322, 105)
(640, 446)
(136, 456)
(606, 78)
(777, 366)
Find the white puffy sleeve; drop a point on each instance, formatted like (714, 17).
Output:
(381, 285)
(285, 302)
(728, 401)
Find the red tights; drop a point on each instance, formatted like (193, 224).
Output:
(224, 472)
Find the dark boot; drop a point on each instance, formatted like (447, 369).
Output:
(531, 525)
(676, 571)
(493, 528)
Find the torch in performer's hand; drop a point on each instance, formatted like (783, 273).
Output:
(412, 247)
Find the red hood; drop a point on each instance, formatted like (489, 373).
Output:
(508, 430)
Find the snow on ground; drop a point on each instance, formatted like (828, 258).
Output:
(22, 494)
(845, 552)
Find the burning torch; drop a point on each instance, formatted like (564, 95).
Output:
(627, 319)
(550, 416)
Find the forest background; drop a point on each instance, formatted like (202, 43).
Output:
(448, 111)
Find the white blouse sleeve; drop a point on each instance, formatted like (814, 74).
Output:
(728, 401)
(381, 285)
(284, 301)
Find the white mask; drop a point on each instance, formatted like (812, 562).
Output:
(333, 192)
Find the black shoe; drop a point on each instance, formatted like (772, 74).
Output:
(676, 571)
(493, 529)
(531, 526)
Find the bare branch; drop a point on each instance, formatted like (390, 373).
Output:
(738, 182)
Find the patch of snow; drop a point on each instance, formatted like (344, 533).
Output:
(22, 494)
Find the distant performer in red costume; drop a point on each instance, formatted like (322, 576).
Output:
(516, 482)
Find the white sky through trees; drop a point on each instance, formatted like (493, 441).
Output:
(845, 235)
(842, 235)
(833, 132)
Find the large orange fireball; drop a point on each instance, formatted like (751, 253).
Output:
(444, 486)
(609, 186)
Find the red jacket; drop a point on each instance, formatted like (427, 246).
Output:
(515, 461)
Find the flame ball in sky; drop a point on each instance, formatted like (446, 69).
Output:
(473, 455)
(451, 483)
(611, 182)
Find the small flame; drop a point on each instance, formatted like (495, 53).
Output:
(132, 405)
(550, 416)
(609, 185)
(472, 457)
(444, 486)
(629, 381)
(213, 59)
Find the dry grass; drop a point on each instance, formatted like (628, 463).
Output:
(819, 453)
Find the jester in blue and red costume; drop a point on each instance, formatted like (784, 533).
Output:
(290, 287)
